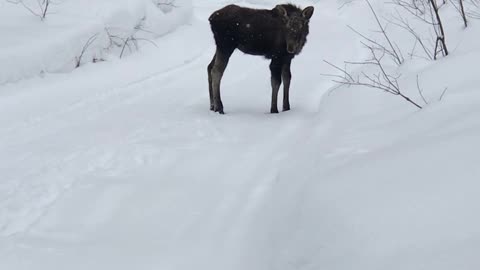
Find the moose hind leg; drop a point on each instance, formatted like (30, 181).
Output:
(210, 87)
(219, 66)
(276, 80)
(286, 77)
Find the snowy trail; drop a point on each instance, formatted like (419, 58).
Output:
(121, 165)
(137, 173)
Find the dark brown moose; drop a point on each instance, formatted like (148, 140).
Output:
(277, 34)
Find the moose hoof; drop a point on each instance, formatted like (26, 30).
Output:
(273, 110)
(211, 107)
(219, 110)
(286, 108)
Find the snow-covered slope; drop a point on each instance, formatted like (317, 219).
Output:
(120, 164)
(78, 31)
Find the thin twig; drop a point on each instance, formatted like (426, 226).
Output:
(84, 49)
(443, 93)
(420, 91)
(396, 55)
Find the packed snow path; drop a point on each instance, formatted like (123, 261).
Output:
(120, 165)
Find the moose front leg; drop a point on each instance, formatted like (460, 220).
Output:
(276, 80)
(219, 66)
(210, 82)
(286, 77)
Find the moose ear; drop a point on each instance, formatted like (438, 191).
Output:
(308, 12)
(281, 10)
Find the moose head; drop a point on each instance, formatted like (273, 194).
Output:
(296, 25)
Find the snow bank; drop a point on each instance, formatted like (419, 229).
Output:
(389, 186)
(31, 47)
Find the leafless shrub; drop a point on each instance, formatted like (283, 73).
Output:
(403, 23)
(379, 79)
(129, 41)
(426, 11)
(39, 8)
(376, 73)
(123, 42)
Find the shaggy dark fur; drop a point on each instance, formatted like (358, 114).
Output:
(277, 34)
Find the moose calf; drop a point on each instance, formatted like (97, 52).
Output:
(277, 34)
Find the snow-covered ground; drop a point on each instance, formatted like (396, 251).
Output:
(120, 164)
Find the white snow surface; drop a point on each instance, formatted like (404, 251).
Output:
(30, 48)
(120, 164)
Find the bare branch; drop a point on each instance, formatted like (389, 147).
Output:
(461, 9)
(443, 93)
(420, 91)
(40, 11)
(441, 34)
(399, 60)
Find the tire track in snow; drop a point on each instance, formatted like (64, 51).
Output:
(106, 100)
(86, 109)
(121, 92)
